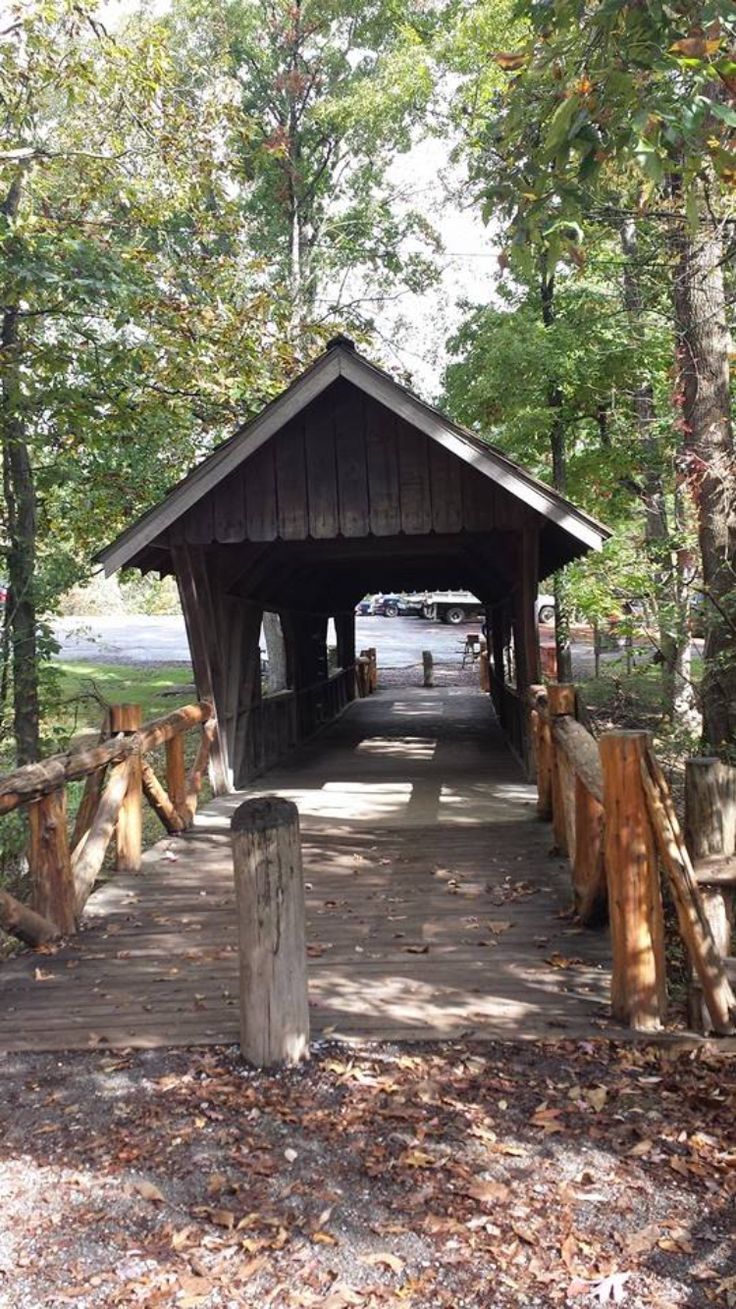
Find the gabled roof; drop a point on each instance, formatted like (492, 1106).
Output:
(342, 360)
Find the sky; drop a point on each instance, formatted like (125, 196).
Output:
(414, 331)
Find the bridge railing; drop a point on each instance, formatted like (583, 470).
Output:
(613, 816)
(64, 864)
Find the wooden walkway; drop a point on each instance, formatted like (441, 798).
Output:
(434, 907)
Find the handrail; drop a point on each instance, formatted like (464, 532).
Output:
(64, 868)
(35, 780)
(611, 812)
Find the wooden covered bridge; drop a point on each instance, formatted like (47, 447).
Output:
(433, 904)
(346, 483)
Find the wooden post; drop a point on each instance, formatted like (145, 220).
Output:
(427, 668)
(49, 862)
(710, 837)
(269, 887)
(638, 985)
(176, 774)
(485, 672)
(710, 808)
(543, 746)
(128, 718)
(374, 667)
(589, 872)
(560, 701)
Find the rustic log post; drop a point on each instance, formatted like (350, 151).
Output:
(18, 920)
(484, 670)
(49, 862)
(638, 983)
(694, 927)
(92, 792)
(128, 718)
(176, 774)
(88, 857)
(710, 808)
(589, 869)
(159, 801)
(269, 887)
(195, 776)
(374, 667)
(710, 837)
(560, 701)
(543, 751)
(427, 668)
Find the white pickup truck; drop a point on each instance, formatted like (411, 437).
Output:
(462, 606)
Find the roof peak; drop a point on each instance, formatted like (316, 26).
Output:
(341, 339)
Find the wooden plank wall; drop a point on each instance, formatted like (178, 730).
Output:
(349, 467)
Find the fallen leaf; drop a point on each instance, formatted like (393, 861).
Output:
(384, 1259)
(486, 1192)
(148, 1191)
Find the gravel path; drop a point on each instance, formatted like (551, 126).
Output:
(468, 1177)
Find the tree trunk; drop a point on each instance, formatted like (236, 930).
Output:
(20, 505)
(276, 651)
(673, 637)
(559, 481)
(704, 347)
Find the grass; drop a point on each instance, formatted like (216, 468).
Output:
(157, 688)
(80, 692)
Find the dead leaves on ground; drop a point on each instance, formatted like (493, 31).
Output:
(565, 1174)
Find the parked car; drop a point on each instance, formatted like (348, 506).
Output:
(412, 605)
(363, 606)
(386, 605)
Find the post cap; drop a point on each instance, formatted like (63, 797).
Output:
(263, 812)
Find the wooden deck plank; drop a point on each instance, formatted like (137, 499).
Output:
(433, 906)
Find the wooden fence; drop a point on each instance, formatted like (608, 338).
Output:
(64, 864)
(612, 815)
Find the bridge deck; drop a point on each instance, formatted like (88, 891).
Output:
(434, 907)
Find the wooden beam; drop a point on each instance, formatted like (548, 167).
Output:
(204, 639)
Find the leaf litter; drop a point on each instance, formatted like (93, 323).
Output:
(455, 1176)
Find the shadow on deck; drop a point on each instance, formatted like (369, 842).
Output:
(434, 907)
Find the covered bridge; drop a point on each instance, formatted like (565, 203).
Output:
(344, 484)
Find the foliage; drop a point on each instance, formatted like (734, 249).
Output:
(321, 94)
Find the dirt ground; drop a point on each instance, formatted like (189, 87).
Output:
(463, 1176)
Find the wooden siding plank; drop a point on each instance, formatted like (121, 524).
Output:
(383, 470)
(319, 443)
(291, 483)
(352, 469)
(259, 473)
(416, 502)
(199, 522)
(478, 501)
(229, 509)
(445, 473)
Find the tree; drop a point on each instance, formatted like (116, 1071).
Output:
(134, 328)
(324, 93)
(593, 94)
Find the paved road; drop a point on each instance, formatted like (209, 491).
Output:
(115, 639)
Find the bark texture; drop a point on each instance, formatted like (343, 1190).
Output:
(704, 347)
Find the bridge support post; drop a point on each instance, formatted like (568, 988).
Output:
(269, 887)
(638, 984)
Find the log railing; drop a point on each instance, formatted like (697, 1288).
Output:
(612, 815)
(64, 866)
